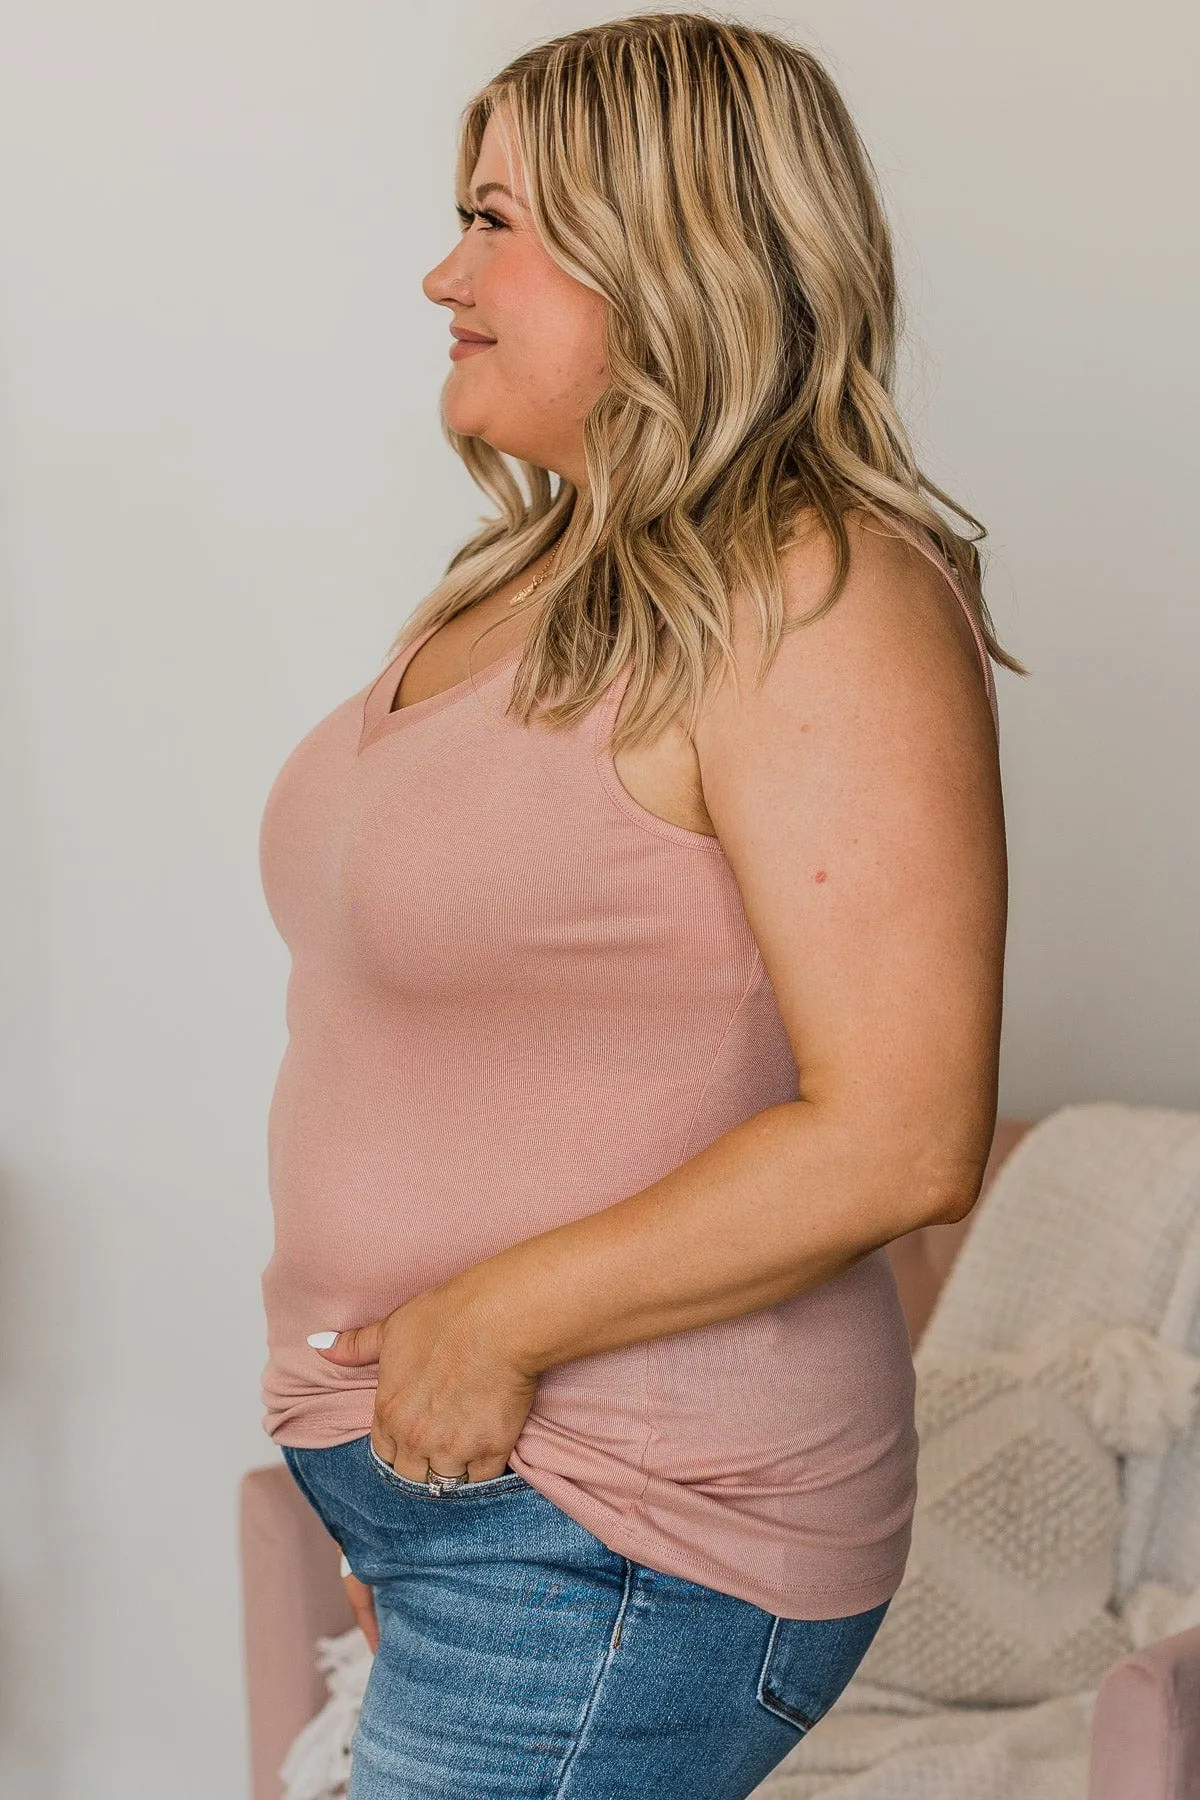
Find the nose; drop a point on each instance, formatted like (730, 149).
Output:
(447, 284)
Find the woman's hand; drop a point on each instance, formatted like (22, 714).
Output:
(362, 1605)
(450, 1393)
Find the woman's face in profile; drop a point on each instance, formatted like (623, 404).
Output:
(527, 391)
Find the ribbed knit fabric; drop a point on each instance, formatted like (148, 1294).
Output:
(516, 997)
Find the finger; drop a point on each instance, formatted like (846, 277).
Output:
(487, 1468)
(483, 1468)
(364, 1616)
(384, 1446)
(422, 1468)
(420, 1471)
(356, 1345)
(362, 1604)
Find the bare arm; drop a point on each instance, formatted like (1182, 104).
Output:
(857, 799)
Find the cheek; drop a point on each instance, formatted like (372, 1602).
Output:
(537, 365)
(587, 349)
(560, 359)
(552, 328)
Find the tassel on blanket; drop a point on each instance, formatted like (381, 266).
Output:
(317, 1765)
(1145, 1391)
(1154, 1610)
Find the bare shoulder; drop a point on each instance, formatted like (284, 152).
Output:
(873, 713)
(897, 594)
(895, 648)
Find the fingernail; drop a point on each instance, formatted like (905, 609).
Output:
(323, 1340)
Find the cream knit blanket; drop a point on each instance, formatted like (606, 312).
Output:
(1095, 1216)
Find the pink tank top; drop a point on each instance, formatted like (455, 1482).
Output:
(516, 996)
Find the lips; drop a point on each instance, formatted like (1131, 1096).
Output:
(466, 343)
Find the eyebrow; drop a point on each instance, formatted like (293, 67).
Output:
(488, 187)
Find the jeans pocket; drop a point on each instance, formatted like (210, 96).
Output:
(807, 1663)
(496, 1484)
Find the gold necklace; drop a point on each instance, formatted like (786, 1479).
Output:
(536, 582)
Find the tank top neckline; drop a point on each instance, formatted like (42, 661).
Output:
(378, 720)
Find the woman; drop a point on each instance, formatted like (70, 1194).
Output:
(647, 919)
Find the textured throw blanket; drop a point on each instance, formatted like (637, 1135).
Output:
(1094, 1217)
(879, 1744)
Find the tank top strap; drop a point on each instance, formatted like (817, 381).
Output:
(920, 540)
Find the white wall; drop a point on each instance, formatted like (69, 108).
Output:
(222, 486)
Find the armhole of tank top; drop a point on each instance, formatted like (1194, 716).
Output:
(604, 714)
(919, 542)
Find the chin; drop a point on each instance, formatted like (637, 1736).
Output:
(463, 416)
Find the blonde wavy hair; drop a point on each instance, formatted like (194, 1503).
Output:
(706, 179)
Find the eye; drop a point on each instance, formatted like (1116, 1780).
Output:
(495, 222)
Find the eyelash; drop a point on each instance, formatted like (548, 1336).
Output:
(465, 216)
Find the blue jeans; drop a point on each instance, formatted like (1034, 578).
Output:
(521, 1659)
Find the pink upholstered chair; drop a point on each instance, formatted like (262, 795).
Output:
(1146, 1723)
